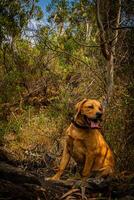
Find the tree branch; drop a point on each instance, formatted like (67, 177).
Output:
(103, 42)
(123, 27)
(117, 21)
(85, 45)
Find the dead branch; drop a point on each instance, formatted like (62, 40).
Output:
(16, 183)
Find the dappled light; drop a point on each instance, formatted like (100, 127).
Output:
(66, 99)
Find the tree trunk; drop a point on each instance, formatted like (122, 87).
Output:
(110, 77)
(108, 40)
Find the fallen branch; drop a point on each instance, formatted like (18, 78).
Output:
(16, 183)
(115, 187)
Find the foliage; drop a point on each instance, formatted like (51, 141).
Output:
(15, 15)
(42, 78)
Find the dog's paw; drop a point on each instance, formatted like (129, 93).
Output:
(53, 178)
(48, 179)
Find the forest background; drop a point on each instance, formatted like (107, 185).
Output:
(51, 60)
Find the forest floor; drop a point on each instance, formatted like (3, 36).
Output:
(18, 182)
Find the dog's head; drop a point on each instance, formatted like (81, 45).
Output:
(91, 111)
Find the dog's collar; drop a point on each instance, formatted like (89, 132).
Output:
(78, 125)
(82, 126)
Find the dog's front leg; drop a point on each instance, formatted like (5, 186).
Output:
(65, 158)
(89, 159)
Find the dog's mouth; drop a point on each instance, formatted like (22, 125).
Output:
(94, 123)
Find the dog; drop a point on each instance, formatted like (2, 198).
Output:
(85, 143)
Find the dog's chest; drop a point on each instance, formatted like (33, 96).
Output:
(83, 140)
(80, 147)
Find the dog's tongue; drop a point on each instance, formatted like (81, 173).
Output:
(94, 124)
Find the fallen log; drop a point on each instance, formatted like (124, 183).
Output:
(16, 175)
(16, 184)
(113, 187)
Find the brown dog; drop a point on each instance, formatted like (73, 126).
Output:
(86, 144)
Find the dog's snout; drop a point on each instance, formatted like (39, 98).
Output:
(98, 114)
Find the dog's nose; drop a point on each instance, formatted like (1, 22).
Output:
(98, 114)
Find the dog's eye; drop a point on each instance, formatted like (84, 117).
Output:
(90, 107)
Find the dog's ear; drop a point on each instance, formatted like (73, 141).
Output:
(78, 106)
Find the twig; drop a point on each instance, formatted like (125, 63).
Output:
(85, 45)
(69, 193)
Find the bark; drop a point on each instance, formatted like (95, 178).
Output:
(108, 42)
(16, 175)
(110, 77)
(88, 31)
(18, 184)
